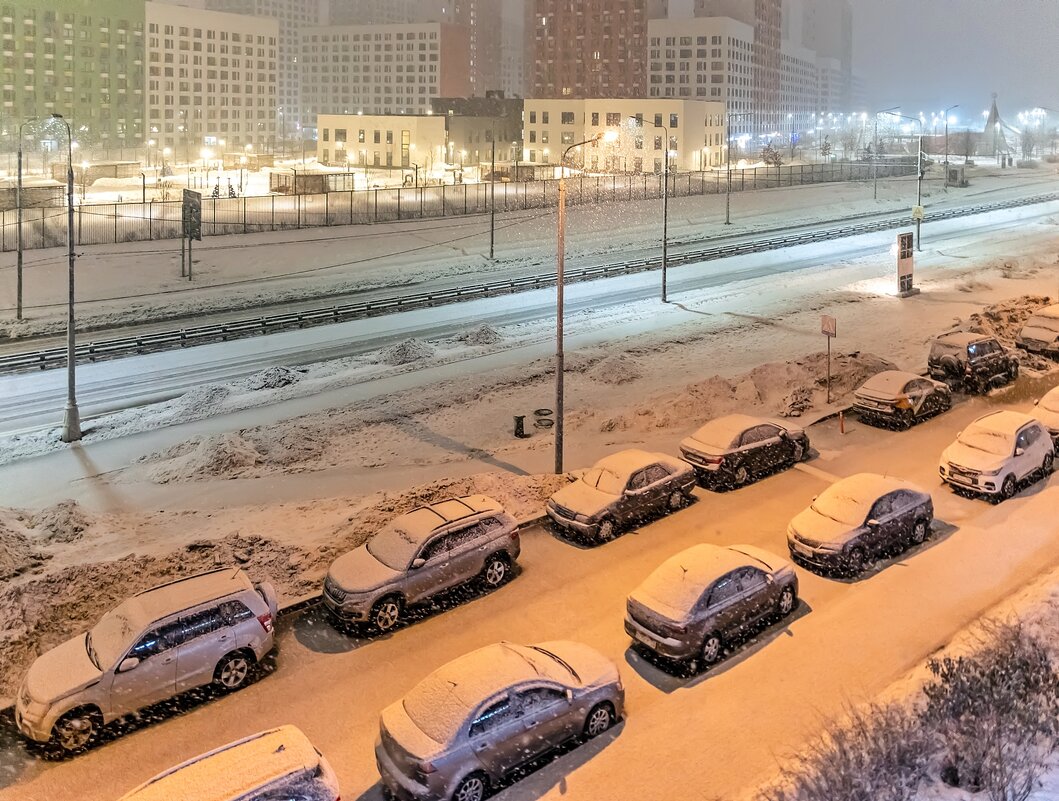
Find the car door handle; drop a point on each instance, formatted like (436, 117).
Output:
(482, 746)
(167, 660)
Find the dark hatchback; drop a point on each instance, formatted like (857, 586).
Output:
(732, 450)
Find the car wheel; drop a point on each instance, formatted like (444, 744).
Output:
(712, 648)
(76, 730)
(1014, 370)
(797, 452)
(677, 500)
(787, 601)
(919, 532)
(906, 418)
(233, 671)
(1047, 465)
(472, 788)
(387, 613)
(607, 530)
(740, 475)
(495, 572)
(855, 561)
(1008, 488)
(600, 718)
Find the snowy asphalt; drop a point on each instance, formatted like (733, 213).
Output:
(704, 736)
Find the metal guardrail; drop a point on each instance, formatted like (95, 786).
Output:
(179, 338)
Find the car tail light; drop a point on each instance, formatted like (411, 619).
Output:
(514, 535)
(713, 459)
(266, 621)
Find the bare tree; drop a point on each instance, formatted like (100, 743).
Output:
(1028, 139)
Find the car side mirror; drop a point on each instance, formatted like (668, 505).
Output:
(128, 664)
(769, 578)
(418, 563)
(1019, 451)
(873, 523)
(569, 696)
(1037, 402)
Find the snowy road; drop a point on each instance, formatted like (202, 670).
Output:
(705, 737)
(34, 400)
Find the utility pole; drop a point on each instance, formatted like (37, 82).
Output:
(492, 195)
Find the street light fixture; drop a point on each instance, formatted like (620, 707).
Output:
(728, 155)
(637, 122)
(71, 431)
(560, 264)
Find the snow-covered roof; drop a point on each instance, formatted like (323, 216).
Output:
(677, 583)
(625, 463)
(850, 499)
(1002, 422)
(721, 432)
(891, 382)
(441, 702)
(420, 523)
(148, 606)
(234, 770)
(961, 337)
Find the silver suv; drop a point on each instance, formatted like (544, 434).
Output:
(205, 629)
(420, 554)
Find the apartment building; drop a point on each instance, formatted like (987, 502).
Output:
(211, 80)
(384, 141)
(84, 61)
(383, 69)
(638, 128)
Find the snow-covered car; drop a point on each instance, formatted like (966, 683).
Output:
(706, 597)
(1047, 411)
(476, 720)
(731, 450)
(420, 554)
(859, 518)
(622, 488)
(275, 765)
(1040, 333)
(971, 362)
(996, 452)
(206, 629)
(899, 398)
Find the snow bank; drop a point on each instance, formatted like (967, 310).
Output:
(406, 352)
(484, 334)
(18, 552)
(620, 369)
(64, 522)
(221, 455)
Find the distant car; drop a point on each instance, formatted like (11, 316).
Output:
(619, 490)
(1047, 411)
(901, 398)
(996, 452)
(1040, 333)
(732, 450)
(206, 629)
(479, 718)
(706, 597)
(971, 362)
(857, 519)
(276, 765)
(419, 554)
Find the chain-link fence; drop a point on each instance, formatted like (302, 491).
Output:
(108, 223)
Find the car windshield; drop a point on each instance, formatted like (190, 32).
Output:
(111, 637)
(604, 481)
(842, 506)
(981, 439)
(393, 546)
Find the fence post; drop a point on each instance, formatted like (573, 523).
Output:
(243, 198)
(465, 198)
(376, 216)
(116, 222)
(273, 212)
(150, 220)
(398, 204)
(298, 206)
(327, 208)
(350, 206)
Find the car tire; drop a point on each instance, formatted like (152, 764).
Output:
(1008, 488)
(920, 530)
(798, 452)
(677, 500)
(471, 788)
(1014, 370)
(855, 561)
(712, 650)
(740, 476)
(788, 600)
(607, 530)
(1047, 465)
(387, 614)
(906, 418)
(76, 730)
(496, 571)
(233, 671)
(599, 719)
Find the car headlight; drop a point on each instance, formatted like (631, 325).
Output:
(830, 547)
(991, 472)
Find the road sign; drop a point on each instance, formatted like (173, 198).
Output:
(828, 326)
(917, 212)
(905, 243)
(191, 214)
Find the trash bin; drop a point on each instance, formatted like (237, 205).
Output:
(520, 426)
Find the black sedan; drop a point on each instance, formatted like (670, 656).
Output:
(897, 398)
(730, 451)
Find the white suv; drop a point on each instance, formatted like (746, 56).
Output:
(206, 629)
(993, 454)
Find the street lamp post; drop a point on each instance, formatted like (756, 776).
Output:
(71, 431)
(950, 108)
(18, 203)
(875, 155)
(919, 172)
(728, 154)
(560, 263)
(637, 121)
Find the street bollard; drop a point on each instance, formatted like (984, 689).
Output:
(841, 422)
(520, 426)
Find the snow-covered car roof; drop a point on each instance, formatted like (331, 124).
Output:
(441, 702)
(624, 463)
(157, 602)
(961, 338)
(233, 770)
(850, 499)
(721, 432)
(1050, 400)
(890, 382)
(677, 583)
(423, 521)
(1004, 421)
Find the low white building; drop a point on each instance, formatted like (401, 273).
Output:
(635, 131)
(400, 141)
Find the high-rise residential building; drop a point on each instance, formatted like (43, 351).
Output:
(82, 60)
(483, 20)
(590, 48)
(825, 27)
(705, 58)
(381, 69)
(211, 80)
(373, 12)
(292, 16)
(513, 65)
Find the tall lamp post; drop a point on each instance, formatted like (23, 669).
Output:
(638, 121)
(71, 431)
(946, 112)
(560, 263)
(919, 171)
(728, 154)
(875, 155)
(18, 203)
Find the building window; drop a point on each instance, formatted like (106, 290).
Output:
(595, 118)
(674, 120)
(544, 117)
(567, 118)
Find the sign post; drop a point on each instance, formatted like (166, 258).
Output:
(191, 218)
(905, 263)
(829, 328)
